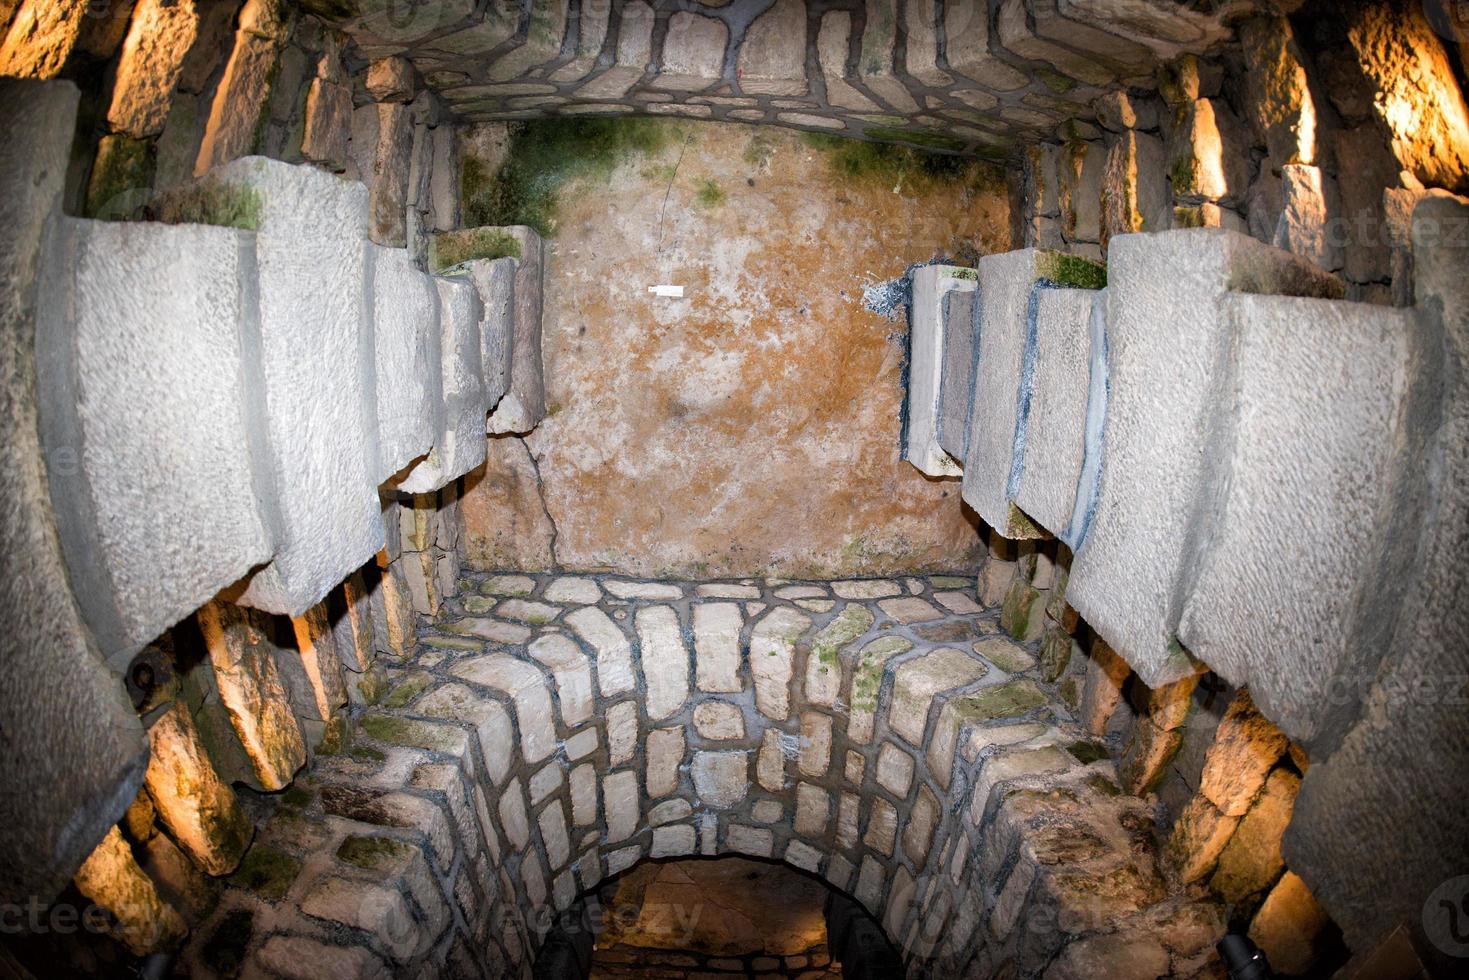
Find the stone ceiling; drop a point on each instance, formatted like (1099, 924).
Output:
(959, 76)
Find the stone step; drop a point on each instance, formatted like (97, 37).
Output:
(1068, 394)
(940, 293)
(1009, 287)
(143, 336)
(315, 368)
(1307, 540)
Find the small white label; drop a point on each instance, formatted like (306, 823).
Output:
(676, 292)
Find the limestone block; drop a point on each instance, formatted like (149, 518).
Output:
(572, 673)
(1279, 102)
(407, 348)
(243, 94)
(634, 51)
(1308, 201)
(721, 778)
(1246, 746)
(1332, 402)
(921, 59)
(614, 653)
(1412, 730)
(313, 670)
(1041, 175)
(141, 919)
(328, 124)
(143, 336)
(867, 684)
(717, 627)
(312, 368)
(1208, 153)
(1005, 377)
(199, 809)
(459, 444)
(967, 29)
(831, 52)
(665, 751)
(1166, 29)
(490, 721)
(935, 288)
(390, 80)
(525, 401)
(41, 38)
(1067, 404)
(772, 659)
(693, 53)
(494, 282)
(542, 43)
(772, 54)
(527, 688)
(242, 659)
(1251, 860)
(1168, 344)
(387, 176)
(916, 683)
(1135, 193)
(664, 659)
(719, 720)
(823, 665)
(1081, 165)
(159, 36)
(1015, 33)
(1287, 925)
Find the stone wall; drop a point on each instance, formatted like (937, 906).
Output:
(750, 426)
(968, 76)
(548, 733)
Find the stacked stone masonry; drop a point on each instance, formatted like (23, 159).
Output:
(967, 76)
(546, 733)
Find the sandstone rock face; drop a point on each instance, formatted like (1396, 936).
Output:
(768, 382)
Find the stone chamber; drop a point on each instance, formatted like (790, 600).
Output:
(763, 488)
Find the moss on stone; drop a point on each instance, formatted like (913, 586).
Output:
(212, 202)
(401, 731)
(451, 643)
(267, 872)
(856, 159)
(297, 797)
(407, 689)
(867, 680)
(1055, 81)
(1087, 752)
(1072, 271)
(449, 249)
(1016, 611)
(122, 178)
(1001, 701)
(335, 738)
(710, 194)
(374, 853)
(366, 753)
(544, 155)
(928, 141)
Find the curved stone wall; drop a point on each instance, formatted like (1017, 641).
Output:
(549, 733)
(966, 76)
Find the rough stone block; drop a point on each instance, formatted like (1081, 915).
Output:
(572, 672)
(1135, 193)
(243, 96)
(527, 688)
(524, 403)
(1004, 380)
(1209, 155)
(1308, 543)
(159, 36)
(664, 659)
(940, 366)
(406, 348)
(1279, 103)
(614, 654)
(328, 124)
(1168, 368)
(140, 918)
(459, 445)
(390, 80)
(75, 750)
(143, 333)
(1308, 200)
(1066, 405)
(313, 368)
(772, 659)
(772, 55)
(693, 53)
(717, 628)
(918, 681)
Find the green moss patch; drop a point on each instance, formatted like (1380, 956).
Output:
(1072, 271)
(544, 155)
(407, 689)
(212, 203)
(709, 194)
(122, 178)
(453, 248)
(375, 853)
(266, 872)
(855, 159)
(867, 680)
(1001, 701)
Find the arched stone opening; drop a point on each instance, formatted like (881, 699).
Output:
(719, 914)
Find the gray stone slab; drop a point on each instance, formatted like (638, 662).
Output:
(928, 322)
(315, 368)
(998, 417)
(405, 342)
(74, 750)
(460, 444)
(494, 282)
(141, 343)
(524, 404)
(1055, 441)
(1380, 822)
(1168, 340)
(956, 378)
(1298, 567)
